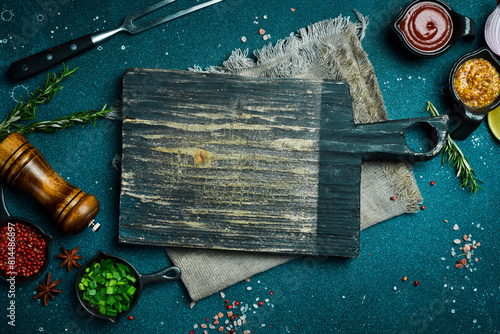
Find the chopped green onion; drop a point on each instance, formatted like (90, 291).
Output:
(108, 286)
(131, 290)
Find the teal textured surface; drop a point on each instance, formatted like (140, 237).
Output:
(310, 295)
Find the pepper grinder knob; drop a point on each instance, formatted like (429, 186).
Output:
(24, 167)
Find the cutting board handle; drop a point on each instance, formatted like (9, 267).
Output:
(387, 139)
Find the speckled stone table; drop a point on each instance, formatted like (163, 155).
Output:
(306, 295)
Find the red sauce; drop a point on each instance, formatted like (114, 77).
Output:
(427, 26)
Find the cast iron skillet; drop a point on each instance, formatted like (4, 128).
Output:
(462, 26)
(141, 280)
(5, 219)
(467, 117)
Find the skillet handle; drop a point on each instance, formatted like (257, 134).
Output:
(4, 213)
(169, 274)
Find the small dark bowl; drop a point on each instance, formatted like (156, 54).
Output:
(141, 280)
(46, 237)
(462, 26)
(469, 118)
(5, 219)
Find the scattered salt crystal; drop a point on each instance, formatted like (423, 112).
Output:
(255, 306)
(455, 227)
(395, 288)
(222, 295)
(443, 258)
(249, 288)
(264, 17)
(243, 39)
(195, 326)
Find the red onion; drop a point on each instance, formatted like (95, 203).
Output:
(492, 30)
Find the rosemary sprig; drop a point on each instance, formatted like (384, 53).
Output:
(27, 110)
(61, 123)
(455, 157)
(24, 111)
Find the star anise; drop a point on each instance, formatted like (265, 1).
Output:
(70, 258)
(47, 289)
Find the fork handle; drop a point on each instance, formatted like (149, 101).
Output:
(39, 62)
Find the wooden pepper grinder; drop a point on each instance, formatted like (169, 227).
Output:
(24, 167)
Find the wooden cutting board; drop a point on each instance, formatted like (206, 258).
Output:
(237, 163)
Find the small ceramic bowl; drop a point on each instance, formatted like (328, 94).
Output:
(467, 117)
(462, 26)
(7, 220)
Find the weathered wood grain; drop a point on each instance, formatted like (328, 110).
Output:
(228, 162)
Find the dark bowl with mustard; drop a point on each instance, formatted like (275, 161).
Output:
(474, 82)
(428, 28)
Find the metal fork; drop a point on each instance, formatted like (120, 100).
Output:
(34, 64)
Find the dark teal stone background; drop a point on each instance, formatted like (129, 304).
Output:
(311, 295)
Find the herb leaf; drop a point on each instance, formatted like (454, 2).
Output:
(24, 111)
(61, 123)
(456, 157)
